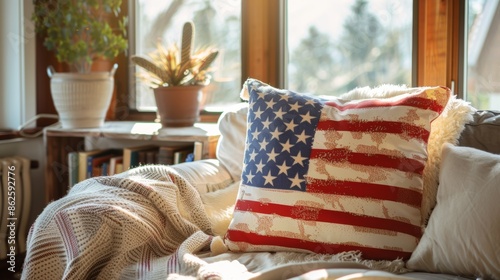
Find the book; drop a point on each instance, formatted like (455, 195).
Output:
(182, 156)
(105, 169)
(198, 151)
(113, 165)
(166, 154)
(96, 163)
(72, 168)
(87, 160)
(131, 155)
(148, 156)
(152, 157)
(83, 158)
(119, 168)
(186, 154)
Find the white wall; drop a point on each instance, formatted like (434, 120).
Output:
(17, 90)
(17, 67)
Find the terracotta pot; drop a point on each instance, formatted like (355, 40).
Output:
(178, 106)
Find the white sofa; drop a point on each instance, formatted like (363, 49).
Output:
(157, 222)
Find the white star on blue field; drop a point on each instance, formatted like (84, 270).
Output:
(281, 126)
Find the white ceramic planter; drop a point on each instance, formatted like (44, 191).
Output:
(81, 99)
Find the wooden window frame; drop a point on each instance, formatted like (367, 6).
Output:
(440, 44)
(438, 53)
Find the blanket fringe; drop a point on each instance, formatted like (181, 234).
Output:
(395, 266)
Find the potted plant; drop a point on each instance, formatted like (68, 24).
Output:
(79, 33)
(177, 76)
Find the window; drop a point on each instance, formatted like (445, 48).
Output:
(340, 45)
(17, 97)
(483, 70)
(217, 23)
(366, 43)
(438, 56)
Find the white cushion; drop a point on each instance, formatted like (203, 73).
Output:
(230, 148)
(205, 175)
(463, 234)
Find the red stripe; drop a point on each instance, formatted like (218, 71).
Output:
(392, 127)
(376, 160)
(315, 247)
(411, 101)
(70, 241)
(366, 190)
(307, 213)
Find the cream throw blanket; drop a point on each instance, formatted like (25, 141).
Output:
(105, 224)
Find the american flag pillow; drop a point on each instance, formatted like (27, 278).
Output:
(331, 176)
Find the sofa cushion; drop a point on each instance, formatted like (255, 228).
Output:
(328, 176)
(462, 236)
(206, 175)
(232, 126)
(482, 132)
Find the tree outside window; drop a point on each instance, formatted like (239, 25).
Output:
(349, 44)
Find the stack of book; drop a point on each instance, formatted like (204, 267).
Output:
(86, 164)
(175, 154)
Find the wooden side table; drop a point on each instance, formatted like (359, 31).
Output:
(60, 142)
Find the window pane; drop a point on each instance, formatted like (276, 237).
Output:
(343, 44)
(483, 69)
(217, 23)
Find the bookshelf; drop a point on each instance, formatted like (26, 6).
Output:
(60, 142)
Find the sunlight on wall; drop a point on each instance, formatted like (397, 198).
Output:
(17, 70)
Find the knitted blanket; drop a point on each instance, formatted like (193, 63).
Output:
(150, 223)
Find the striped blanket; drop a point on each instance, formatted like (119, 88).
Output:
(106, 224)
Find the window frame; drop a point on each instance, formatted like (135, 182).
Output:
(438, 53)
(438, 38)
(441, 44)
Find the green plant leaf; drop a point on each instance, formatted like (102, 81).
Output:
(78, 31)
(187, 42)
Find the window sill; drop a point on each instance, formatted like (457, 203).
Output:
(206, 117)
(6, 134)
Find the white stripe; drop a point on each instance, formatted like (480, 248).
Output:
(389, 144)
(359, 173)
(348, 204)
(389, 114)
